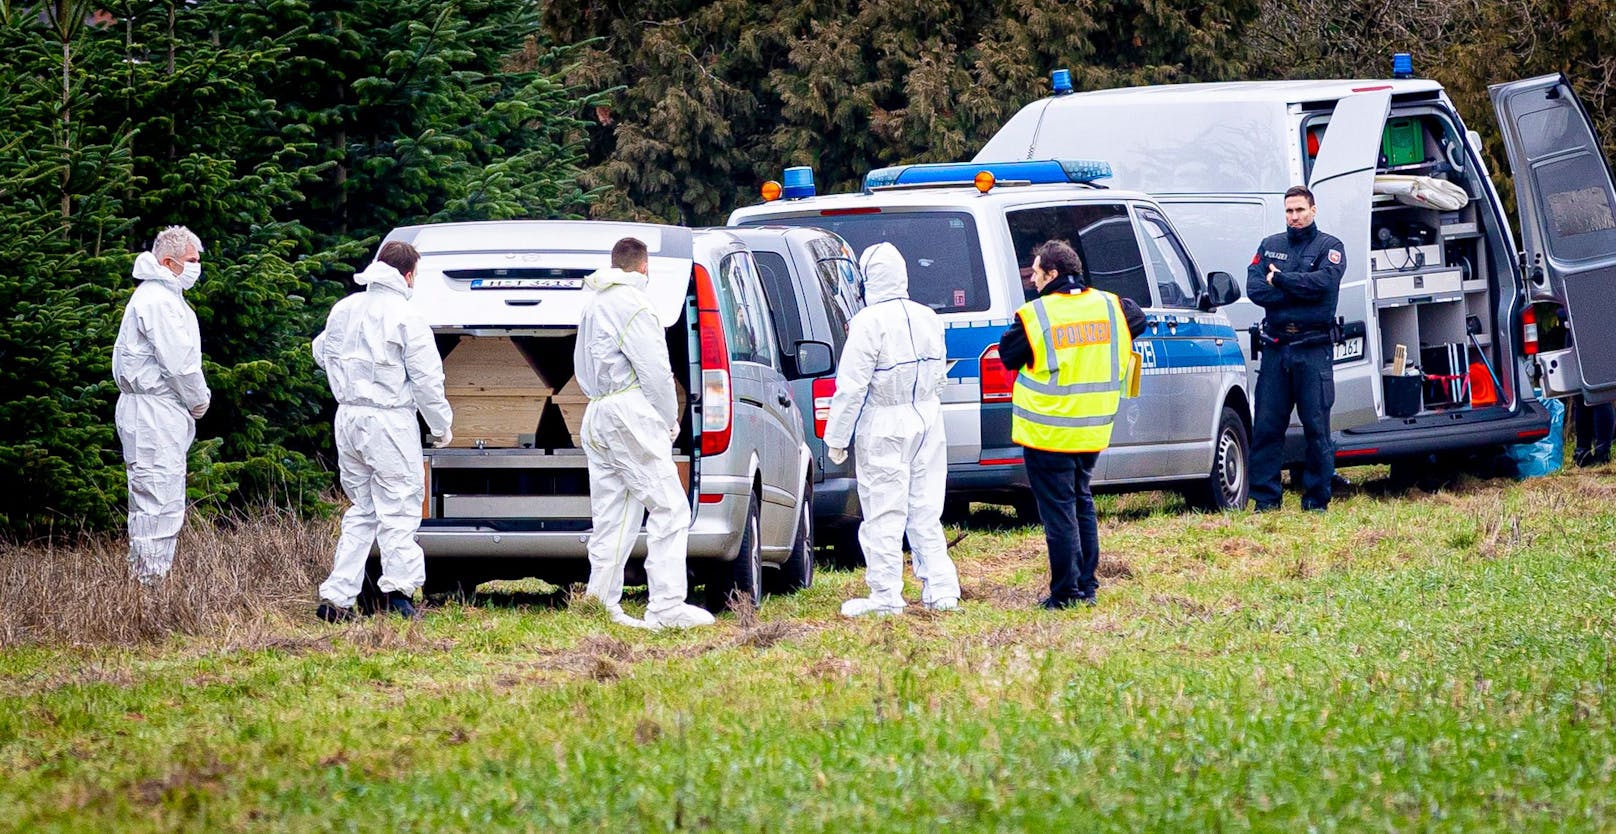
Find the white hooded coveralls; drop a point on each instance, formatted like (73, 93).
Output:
(621, 362)
(157, 364)
(383, 366)
(886, 402)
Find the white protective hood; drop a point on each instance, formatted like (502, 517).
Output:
(148, 269)
(383, 275)
(605, 279)
(886, 275)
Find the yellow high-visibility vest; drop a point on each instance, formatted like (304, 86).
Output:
(1066, 398)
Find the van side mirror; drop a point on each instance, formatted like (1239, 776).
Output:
(813, 359)
(1221, 290)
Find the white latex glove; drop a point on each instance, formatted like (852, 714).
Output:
(440, 441)
(198, 410)
(673, 432)
(837, 456)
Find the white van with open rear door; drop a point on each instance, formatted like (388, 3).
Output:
(510, 497)
(1443, 287)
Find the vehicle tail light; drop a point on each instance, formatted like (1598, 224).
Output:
(824, 390)
(717, 408)
(1529, 330)
(997, 381)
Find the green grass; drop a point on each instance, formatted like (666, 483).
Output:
(1424, 662)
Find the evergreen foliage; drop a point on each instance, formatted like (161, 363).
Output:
(289, 136)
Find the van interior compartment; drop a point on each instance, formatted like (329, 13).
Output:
(517, 413)
(1433, 276)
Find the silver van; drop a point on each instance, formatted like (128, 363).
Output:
(968, 243)
(812, 281)
(510, 497)
(1447, 287)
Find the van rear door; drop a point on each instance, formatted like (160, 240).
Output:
(1567, 211)
(1343, 186)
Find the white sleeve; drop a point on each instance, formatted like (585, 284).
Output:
(179, 353)
(424, 369)
(853, 375)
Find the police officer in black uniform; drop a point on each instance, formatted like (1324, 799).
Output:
(1295, 277)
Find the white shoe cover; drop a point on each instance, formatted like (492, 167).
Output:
(865, 605)
(683, 615)
(948, 604)
(622, 618)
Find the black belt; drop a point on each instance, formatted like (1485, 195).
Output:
(1294, 334)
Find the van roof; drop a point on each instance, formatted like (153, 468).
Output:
(528, 274)
(964, 196)
(1265, 92)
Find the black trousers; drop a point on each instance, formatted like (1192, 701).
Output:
(1060, 483)
(1300, 377)
(1594, 425)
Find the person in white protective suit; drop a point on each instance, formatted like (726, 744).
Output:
(621, 362)
(157, 364)
(383, 365)
(887, 403)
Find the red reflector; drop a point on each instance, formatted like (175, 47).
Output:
(997, 381)
(1371, 89)
(708, 498)
(1356, 453)
(846, 211)
(998, 461)
(1534, 434)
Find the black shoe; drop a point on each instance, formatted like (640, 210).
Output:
(1315, 508)
(399, 603)
(1053, 604)
(1267, 508)
(1087, 600)
(335, 614)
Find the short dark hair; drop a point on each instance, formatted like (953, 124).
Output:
(399, 255)
(1299, 191)
(628, 253)
(1059, 256)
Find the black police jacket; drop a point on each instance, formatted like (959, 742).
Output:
(1305, 289)
(1015, 352)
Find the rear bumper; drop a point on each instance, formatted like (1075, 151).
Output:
(715, 534)
(1393, 438)
(987, 482)
(836, 502)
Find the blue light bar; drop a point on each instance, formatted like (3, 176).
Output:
(1402, 65)
(1039, 171)
(1060, 81)
(799, 183)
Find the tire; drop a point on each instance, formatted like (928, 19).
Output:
(742, 576)
(1026, 507)
(1228, 486)
(451, 579)
(797, 572)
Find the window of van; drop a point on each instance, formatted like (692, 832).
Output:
(1176, 282)
(746, 325)
(839, 281)
(941, 248)
(781, 293)
(1103, 236)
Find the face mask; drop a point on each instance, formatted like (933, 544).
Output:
(190, 273)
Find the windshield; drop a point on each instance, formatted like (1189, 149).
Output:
(941, 248)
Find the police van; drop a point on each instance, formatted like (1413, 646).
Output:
(1441, 350)
(967, 233)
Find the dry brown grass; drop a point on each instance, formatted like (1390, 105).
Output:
(235, 578)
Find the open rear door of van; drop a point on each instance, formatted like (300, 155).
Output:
(1343, 187)
(1568, 224)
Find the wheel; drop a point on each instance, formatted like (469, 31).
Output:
(744, 575)
(1229, 484)
(797, 573)
(1026, 507)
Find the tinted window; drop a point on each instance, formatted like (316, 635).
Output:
(1103, 237)
(1176, 283)
(778, 288)
(752, 337)
(839, 283)
(941, 247)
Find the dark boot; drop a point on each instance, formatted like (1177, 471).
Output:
(335, 614)
(399, 603)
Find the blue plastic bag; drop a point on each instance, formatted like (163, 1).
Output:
(1546, 456)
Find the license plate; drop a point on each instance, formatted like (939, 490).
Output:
(1349, 349)
(527, 283)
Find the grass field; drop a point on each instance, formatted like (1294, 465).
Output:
(1429, 661)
